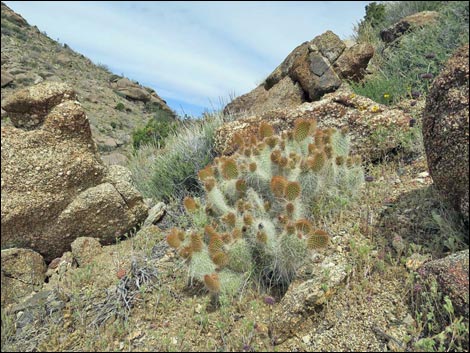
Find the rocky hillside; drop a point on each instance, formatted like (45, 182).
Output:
(331, 215)
(115, 105)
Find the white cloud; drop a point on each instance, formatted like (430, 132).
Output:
(190, 51)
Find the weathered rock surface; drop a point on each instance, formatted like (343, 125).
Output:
(407, 24)
(352, 64)
(155, 214)
(308, 72)
(7, 78)
(23, 271)
(446, 132)
(28, 108)
(451, 274)
(366, 120)
(136, 92)
(54, 186)
(84, 249)
(306, 297)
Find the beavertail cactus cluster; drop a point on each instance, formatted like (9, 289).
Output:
(259, 214)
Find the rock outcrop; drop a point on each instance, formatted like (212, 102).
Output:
(55, 187)
(136, 92)
(115, 106)
(375, 129)
(309, 71)
(446, 132)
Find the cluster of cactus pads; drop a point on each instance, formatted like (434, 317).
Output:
(258, 214)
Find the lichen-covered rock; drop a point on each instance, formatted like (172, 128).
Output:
(311, 70)
(451, 274)
(314, 74)
(23, 271)
(54, 186)
(446, 132)
(367, 121)
(330, 46)
(84, 249)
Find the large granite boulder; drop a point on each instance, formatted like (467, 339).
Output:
(55, 187)
(375, 129)
(446, 132)
(311, 70)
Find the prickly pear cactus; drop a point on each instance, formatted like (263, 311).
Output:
(259, 214)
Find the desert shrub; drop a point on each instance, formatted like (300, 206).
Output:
(438, 328)
(375, 14)
(262, 206)
(171, 172)
(155, 131)
(120, 106)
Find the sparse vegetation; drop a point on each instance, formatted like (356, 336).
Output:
(171, 172)
(406, 68)
(135, 295)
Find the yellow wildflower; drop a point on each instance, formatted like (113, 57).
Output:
(375, 109)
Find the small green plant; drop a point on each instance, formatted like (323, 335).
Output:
(156, 131)
(259, 216)
(120, 106)
(437, 327)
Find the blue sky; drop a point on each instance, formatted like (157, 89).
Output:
(196, 55)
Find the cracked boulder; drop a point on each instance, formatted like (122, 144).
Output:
(55, 188)
(311, 70)
(23, 271)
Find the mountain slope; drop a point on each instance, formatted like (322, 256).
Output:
(115, 105)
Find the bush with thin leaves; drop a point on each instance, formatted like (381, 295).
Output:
(171, 172)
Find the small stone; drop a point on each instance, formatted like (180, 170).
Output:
(408, 320)
(306, 339)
